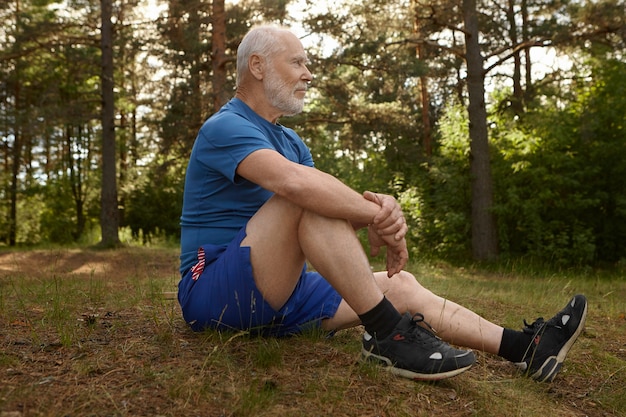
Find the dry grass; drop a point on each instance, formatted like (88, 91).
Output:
(94, 333)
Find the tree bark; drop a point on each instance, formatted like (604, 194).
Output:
(484, 236)
(109, 219)
(220, 95)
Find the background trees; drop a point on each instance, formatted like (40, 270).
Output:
(400, 89)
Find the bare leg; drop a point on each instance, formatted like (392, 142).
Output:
(453, 323)
(282, 235)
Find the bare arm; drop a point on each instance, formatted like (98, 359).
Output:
(307, 187)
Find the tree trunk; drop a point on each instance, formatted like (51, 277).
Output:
(220, 95)
(15, 169)
(484, 237)
(517, 102)
(427, 141)
(76, 179)
(17, 143)
(528, 95)
(109, 220)
(199, 104)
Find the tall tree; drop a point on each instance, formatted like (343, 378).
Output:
(484, 236)
(109, 214)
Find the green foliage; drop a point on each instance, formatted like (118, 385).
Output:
(58, 219)
(57, 214)
(601, 132)
(559, 176)
(153, 208)
(28, 222)
(443, 190)
(539, 203)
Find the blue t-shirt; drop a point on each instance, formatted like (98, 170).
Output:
(217, 203)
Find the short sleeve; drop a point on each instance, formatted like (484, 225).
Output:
(228, 141)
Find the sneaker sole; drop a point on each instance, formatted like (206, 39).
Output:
(552, 365)
(405, 373)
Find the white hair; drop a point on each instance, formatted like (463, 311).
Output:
(261, 40)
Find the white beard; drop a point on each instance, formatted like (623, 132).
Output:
(282, 97)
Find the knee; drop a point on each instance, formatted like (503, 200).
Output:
(407, 294)
(407, 280)
(403, 285)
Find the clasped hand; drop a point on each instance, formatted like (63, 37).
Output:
(388, 229)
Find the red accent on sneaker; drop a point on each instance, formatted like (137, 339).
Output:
(398, 337)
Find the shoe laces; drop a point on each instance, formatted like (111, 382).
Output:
(534, 327)
(419, 318)
(540, 325)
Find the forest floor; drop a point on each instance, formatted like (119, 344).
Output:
(99, 333)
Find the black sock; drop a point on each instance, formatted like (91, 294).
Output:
(514, 345)
(381, 320)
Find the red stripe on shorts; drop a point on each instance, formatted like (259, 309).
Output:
(197, 269)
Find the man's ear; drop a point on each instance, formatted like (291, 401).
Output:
(256, 65)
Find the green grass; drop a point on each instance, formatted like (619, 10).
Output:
(90, 333)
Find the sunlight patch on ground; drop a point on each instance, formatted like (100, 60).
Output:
(92, 268)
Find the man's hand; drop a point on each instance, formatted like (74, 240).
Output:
(390, 219)
(397, 252)
(388, 229)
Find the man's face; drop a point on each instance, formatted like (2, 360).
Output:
(287, 79)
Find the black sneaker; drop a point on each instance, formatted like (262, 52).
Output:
(413, 352)
(553, 339)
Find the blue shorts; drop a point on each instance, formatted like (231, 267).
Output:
(219, 292)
